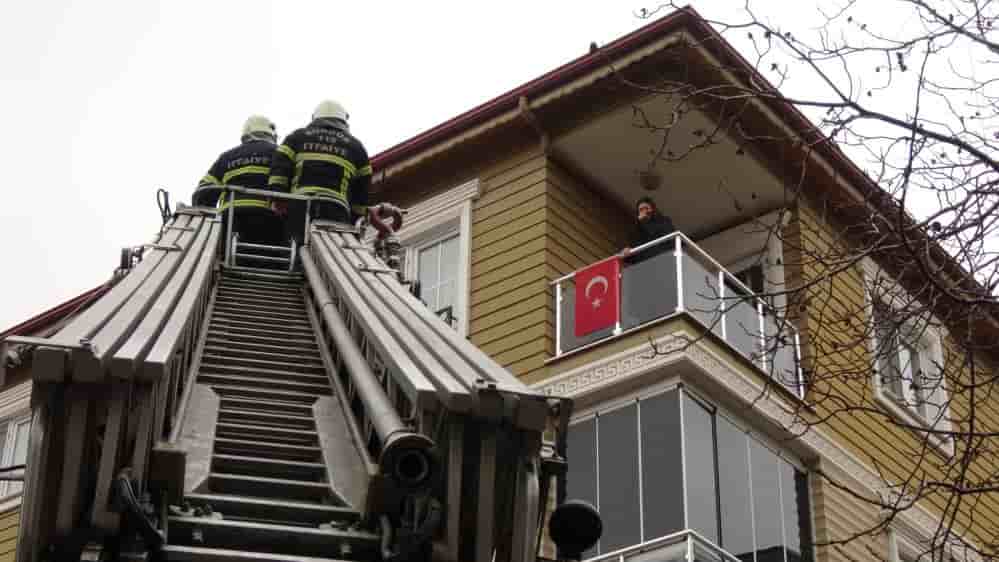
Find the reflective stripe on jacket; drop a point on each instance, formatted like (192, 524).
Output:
(323, 160)
(247, 165)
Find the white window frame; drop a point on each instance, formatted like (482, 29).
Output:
(929, 346)
(431, 221)
(7, 457)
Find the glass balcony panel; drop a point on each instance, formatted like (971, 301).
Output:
(700, 290)
(568, 311)
(648, 285)
(780, 346)
(742, 323)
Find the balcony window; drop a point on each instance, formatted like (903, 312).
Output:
(670, 463)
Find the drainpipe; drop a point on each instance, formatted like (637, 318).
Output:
(527, 114)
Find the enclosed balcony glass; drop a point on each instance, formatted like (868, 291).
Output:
(673, 275)
(676, 479)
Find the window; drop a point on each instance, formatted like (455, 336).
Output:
(437, 273)
(14, 450)
(665, 462)
(903, 360)
(436, 234)
(908, 373)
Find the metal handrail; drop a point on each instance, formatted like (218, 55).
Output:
(684, 246)
(399, 445)
(263, 193)
(687, 536)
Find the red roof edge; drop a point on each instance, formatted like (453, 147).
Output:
(55, 314)
(548, 81)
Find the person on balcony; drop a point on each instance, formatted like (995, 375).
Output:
(325, 161)
(650, 225)
(248, 165)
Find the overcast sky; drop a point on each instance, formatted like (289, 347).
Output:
(102, 104)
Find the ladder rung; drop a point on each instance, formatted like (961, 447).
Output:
(256, 508)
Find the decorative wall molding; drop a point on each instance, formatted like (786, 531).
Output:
(916, 524)
(609, 370)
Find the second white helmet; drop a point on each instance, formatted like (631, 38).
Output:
(330, 109)
(258, 125)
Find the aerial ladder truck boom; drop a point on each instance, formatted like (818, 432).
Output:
(206, 408)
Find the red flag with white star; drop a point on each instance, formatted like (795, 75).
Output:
(598, 297)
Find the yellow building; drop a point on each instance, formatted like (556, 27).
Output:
(511, 198)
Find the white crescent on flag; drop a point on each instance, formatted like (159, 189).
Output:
(598, 280)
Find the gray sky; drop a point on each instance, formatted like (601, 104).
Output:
(102, 105)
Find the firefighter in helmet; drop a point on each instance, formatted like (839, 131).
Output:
(248, 165)
(325, 161)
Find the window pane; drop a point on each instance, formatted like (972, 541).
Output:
(4, 453)
(429, 297)
(449, 259)
(733, 487)
(445, 295)
(617, 435)
(700, 458)
(766, 502)
(20, 453)
(581, 480)
(429, 265)
(662, 467)
(795, 511)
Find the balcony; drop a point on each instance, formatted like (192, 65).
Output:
(672, 276)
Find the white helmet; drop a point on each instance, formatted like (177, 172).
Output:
(259, 126)
(329, 109)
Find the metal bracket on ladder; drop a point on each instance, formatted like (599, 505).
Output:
(366, 269)
(164, 247)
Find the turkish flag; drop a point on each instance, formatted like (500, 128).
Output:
(598, 297)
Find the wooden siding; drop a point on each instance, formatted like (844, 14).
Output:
(508, 318)
(837, 356)
(9, 525)
(532, 224)
(838, 515)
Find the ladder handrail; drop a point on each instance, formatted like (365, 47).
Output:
(399, 444)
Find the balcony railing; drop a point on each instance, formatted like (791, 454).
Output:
(684, 546)
(672, 275)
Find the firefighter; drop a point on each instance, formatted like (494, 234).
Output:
(325, 161)
(248, 165)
